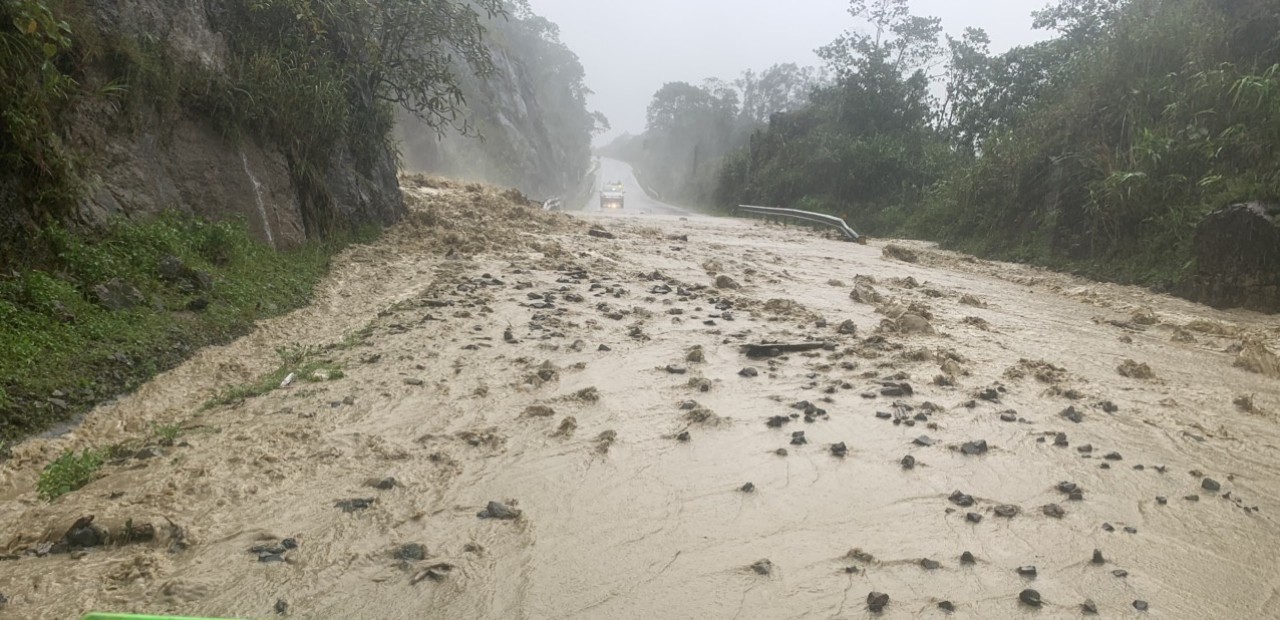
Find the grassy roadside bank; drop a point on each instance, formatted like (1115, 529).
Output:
(100, 315)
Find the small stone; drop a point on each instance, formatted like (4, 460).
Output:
(877, 601)
(1053, 510)
(762, 567)
(1192, 498)
(1140, 605)
(282, 607)
(748, 488)
(677, 370)
(1076, 496)
(1211, 485)
(1072, 414)
(961, 499)
(974, 448)
(1085, 449)
(683, 436)
(839, 450)
(382, 484)
(1107, 527)
(498, 510)
(1009, 416)
(1027, 571)
(922, 440)
(1067, 487)
(973, 517)
(1120, 572)
(85, 533)
(1162, 500)
(749, 372)
(780, 452)
(967, 558)
(412, 552)
(947, 606)
(908, 462)
(413, 381)
(884, 415)
(289, 543)
(352, 505)
(928, 564)
(1113, 456)
(1105, 466)
(1129, 529)
(1007, 511)
(1097, 557)
(777, 421)
(1060, 440)
(1030, 597)
(1089, 607)
(798, 439)
(604, 347)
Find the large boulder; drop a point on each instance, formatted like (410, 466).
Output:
(1237, 251)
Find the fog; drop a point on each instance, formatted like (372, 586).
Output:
(630, 49)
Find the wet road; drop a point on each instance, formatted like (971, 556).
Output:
(637, 200)
(597, 382)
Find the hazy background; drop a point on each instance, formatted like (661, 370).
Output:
(631, 48)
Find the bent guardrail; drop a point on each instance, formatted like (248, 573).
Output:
(555, 204)
(807, 216)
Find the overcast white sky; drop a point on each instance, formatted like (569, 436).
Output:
(630, 48)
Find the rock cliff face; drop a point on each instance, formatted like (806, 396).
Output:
(175, 159)
(1237, 253)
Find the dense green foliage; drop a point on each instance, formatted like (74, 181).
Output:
(60, 351)
(68, 473)
(1099, 149)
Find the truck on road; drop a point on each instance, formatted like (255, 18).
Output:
(611, 196)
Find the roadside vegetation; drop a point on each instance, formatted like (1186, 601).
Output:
(1097, 151)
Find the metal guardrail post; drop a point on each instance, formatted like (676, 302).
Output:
(807, 216)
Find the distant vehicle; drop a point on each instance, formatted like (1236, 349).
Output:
(611, 196)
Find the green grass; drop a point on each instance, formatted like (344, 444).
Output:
(61, 353)
(68, 473)
(299, 362)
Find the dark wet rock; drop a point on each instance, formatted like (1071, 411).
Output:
(928, 564)
(1108, 406)
(199, 304)
(961, 499)
(839, 450)
(777, 421)
(725, 282)
(270, 558)
(1134, 370)
(1120, 573)
(414, 381)
(1085, 449)
(1139, 467)
(884, 415)
(677, 370)
(1162, 500)
(749, 372)
(1097, 557)
(946, 606)
(1129, 529)
(382, 484)
(748, 488)
(1237, 258)
(1009, 416)
(847, 328)
(762, 567)
(1089, 607)
(1027, 571)
(116, 294)
(601, 233)
(908, 462)
(148, 452)
(1192, 498)
(499, 510)
(1076, 496)
(1140, 605)
(780, 452)
(1007, 511)
(604, 347)
(1072, 414)
(877, 601)
(412, 552)
(683, 436)
(864, 293)
(289, 543)
(282, 607)
(1053, 510)
(85, 533)
(974, 448)
(967, 558)
(1029, 597)
(923, 440)
(1107, 527)
(354, 504)
(1113, 456)
(1105, 466)
(973, 517)
(989, 394)
(1067, 487)
(798, 439)
(1060, 440)
(1211, 485)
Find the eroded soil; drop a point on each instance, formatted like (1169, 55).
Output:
(644, 466)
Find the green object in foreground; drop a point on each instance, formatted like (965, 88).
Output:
(103, 616)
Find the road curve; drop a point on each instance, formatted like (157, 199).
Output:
(637, 200)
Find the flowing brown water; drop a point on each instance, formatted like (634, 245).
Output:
(620, 518)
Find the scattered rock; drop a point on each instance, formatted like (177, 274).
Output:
(538, 411)
(798, 438)
(116, 294)
(352, 505)
(1211, 485)
(848, 328)
(864, 293)
(1053, 510)
(382, 484)
(974, 448)
(411, 552)
(1007, 511)
(967, 558)
(748, 488)
(282, 607)
(946, 606)
(1113, 456)
(923, 440)
(683, 436)
(1140, 605)
(908, 462)
(1072, 414)
(567, 427)
(677, 370)
(601, 233)
(839, 450)
(1134, 370)
(928, 564)
(499, 510)
(877, 601)
(1120, 573)
(1029, 597)
(1097, 557)
(1089, 607)
(973, 517)
(749, 372)
(1027, 571)
(725, 282)
(762, 567)
(961, 499)
(85, 533)
(898, 252)
(1060, 440)
(914, 324)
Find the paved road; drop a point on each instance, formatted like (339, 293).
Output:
(637, 201)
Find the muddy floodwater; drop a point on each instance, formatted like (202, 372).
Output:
(595, 384)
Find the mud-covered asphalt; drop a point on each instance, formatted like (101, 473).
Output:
(595, 385)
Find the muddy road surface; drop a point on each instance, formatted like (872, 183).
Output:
(943, 437)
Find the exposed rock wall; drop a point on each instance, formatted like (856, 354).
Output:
(1237, 253)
